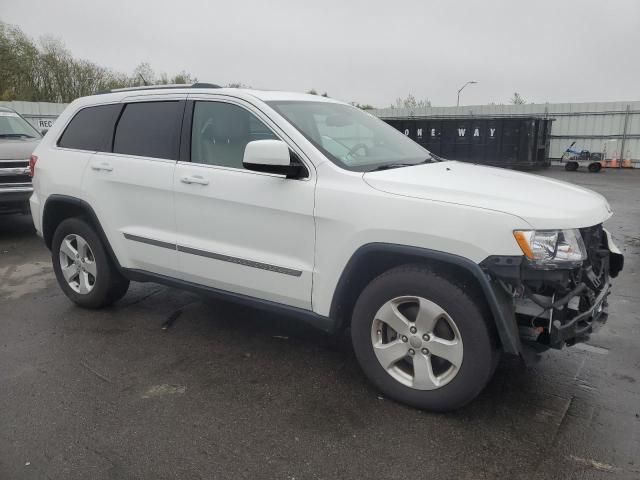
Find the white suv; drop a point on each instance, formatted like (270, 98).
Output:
(314, 208)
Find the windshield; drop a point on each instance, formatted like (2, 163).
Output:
(13, 125)
(350, 137)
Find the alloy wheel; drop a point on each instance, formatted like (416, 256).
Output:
(417, 342)
(78, 264)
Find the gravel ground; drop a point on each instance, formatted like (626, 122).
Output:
(230, 392)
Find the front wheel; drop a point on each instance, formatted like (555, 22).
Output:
(422, 340)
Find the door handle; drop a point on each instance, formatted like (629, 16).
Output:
(105, 166)
(189, 179)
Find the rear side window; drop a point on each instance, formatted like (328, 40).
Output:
(149, 129)
(91, 129)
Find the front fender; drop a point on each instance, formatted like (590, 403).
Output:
(363, 260)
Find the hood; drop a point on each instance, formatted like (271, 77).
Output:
(17, 148)
(542, 202)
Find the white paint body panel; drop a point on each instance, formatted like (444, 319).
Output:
(314, 225)
(540, 201)
(250, 216)
(266, 152)
(134, 198)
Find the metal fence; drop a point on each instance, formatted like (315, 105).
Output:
(609, 127)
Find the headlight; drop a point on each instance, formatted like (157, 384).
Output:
(552, 248)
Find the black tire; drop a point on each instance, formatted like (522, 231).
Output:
(595, 167)
(480, 351)
(109, 287)
(571, 166)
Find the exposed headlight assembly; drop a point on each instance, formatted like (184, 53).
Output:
(552, 248)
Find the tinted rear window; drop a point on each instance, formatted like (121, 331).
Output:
(91, 129)
(149, 129)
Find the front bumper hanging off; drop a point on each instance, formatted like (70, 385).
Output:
(554, 308)
(583, 323)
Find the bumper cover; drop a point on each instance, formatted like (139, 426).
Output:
(15, 199)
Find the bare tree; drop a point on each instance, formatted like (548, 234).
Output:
(313, 91)
(363, 106)
(238, 85)
(47, 71)
(517, 99)
(411, 103)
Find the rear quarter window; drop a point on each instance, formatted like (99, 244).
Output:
(91, 129)
(149, 129)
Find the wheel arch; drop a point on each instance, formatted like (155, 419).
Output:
(373, 259)
(58, 208)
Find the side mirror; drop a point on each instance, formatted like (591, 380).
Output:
(272, 156)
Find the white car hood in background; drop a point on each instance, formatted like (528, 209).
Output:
(542, 202)
(17, 148)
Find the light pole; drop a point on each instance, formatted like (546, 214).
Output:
(472, 82)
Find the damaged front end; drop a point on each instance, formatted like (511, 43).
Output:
(558, 303)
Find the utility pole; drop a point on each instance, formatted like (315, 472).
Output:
(472, 82)
(624, 135)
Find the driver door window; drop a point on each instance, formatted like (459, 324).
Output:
(221, 131)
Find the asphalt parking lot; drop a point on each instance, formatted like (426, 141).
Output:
(169, 385)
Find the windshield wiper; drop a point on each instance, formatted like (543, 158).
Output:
(15, 135)
(389, 166)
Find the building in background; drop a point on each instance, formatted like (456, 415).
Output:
(40, 114)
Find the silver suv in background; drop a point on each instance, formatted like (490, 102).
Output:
(18, 139)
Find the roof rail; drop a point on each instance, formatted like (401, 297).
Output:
(160, 87)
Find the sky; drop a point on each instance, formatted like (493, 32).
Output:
(363, 51)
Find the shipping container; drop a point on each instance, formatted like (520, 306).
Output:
(500, 141)
(609, 128)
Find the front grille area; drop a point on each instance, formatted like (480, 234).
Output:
(14, 172)
(11, 179)
(13, 163)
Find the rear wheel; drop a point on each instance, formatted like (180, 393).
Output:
(595, 167)
(82, 267)
(571, 166)
(422, 340)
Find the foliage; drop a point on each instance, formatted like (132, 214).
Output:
(362, 106)
(238, 85)
(517, 99)
(313, 91)
(411, 103)
(47, 72)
